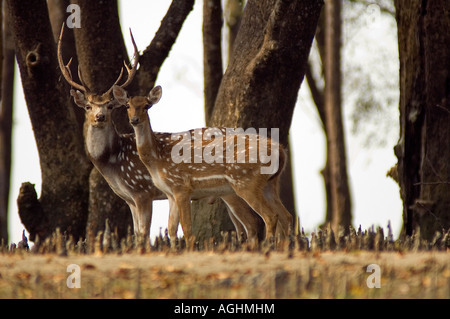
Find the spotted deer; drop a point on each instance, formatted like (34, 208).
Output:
(183, 179)
(115, 156)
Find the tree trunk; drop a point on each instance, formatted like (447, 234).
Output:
(423, 150)
(212, 52)
(319, 100)
(57, 10)
(233, 15)
(341, 205)
(101, 52)
(6, 118)
(260, 87)
(64, 167)
(209, 220)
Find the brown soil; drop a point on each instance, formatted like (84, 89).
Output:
(227, 275)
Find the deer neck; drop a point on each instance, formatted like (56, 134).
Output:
(102, 143)
(146, 142)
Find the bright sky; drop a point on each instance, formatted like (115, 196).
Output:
(375, 198)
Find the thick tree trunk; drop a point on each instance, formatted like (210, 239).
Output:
(209, 220)
(101, 52)
(260, 87)
(423, 150)
(57, 10)
(64, 167)
(341, 205)
(261, 84)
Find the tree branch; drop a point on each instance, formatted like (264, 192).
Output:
(158, 50)
(316, 93)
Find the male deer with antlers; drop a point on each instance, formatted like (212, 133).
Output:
(115, 157)
(181, 180)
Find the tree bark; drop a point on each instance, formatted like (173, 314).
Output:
(233, 15)
(341, 205)
(260, 86)
(57, 10)
(209, 220)
(212, 53)
(423, 149)
(268, 65)
(64, 167)
(101, 52)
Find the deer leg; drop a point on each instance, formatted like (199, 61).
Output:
(284, 217)
(240, 228)
(255, 198)
(143, 213)
(183, 205)
(135, 216)
(247, 219)
(174, 220)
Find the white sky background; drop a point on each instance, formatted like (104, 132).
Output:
(375, 198)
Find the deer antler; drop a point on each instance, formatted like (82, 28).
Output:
(65, 69)
(131, 72)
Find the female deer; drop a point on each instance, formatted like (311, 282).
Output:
(182, 180)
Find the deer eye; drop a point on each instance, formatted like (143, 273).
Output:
(127, 106)
(147, 106)
(88, 107)
(110, 106)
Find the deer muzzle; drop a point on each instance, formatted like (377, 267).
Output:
(100, 118)
(134, 120)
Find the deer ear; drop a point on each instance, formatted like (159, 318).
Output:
(120, 94)
(155, 95)
(79, 98)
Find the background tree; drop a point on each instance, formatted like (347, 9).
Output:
(423, 149)
(6, 108)
(337, 169)
(328, 101)
(358, 93)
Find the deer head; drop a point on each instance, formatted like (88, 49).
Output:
(98, 107)
(141, 103)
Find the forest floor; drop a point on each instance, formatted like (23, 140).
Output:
(227, 274)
